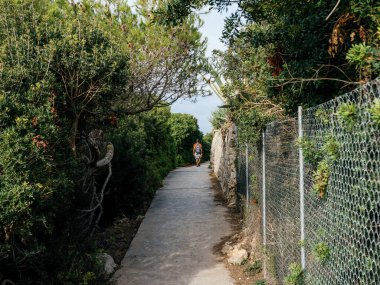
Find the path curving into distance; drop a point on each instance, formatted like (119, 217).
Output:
(174, 244)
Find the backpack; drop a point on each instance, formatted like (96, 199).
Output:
(198, 148)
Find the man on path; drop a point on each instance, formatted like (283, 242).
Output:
(197, 152)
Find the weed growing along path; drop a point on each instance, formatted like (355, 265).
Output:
(174, 244)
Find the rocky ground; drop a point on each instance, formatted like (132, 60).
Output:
(240, 252)
(116, 239)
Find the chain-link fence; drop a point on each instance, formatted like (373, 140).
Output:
(241, 169)
(316, 179)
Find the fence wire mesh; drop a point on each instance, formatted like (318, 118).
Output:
(255, 175)
(241, 171)
(282, 195)
(342, 229)
(341, 149)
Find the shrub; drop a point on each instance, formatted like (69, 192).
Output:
(321, 252)
(321, 178)
(347, 115)
(331, 149)
(185, 130)
(218, 118)
(295, 276)
(254, 268)
(374, 110)
(310, 152)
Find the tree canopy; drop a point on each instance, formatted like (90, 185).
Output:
(281, 54)
(185, 130)
(74, 80)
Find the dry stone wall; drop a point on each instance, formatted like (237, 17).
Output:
(223, 158)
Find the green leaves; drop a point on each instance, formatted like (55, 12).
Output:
(185, 130)
(65, 70)
(358, 54)
(218, 118)
(365, 58)
(374, 110)
(321, 178)
(295, 276)
(321, 252)
(347, 115)
(310, 152)
(331, 149)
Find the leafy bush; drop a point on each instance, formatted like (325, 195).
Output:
(322, 116)
(250, 123)
(321, 252)
(206, 143)
(321, 178)
(310, 152)
(218, 118)
(347, 115)
(254, 268)
(331, 149)
(375, 111)
(78, 267)
(67, 69)
(185, 130)
(295, 276)
(365, 59)
(146, 153)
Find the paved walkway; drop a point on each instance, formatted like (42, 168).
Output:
(174, 244)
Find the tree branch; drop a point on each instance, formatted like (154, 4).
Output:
(333, 10)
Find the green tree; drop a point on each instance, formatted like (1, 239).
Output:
(185, 130)
(206, 143)
(146, 153)
(70, 74)
(282, 54)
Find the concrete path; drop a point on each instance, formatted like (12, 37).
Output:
(174, 244)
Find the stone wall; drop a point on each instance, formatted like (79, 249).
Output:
(223, 157)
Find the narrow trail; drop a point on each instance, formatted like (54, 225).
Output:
(174, 244)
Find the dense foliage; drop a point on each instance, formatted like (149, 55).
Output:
(281, 54)
(206, 144)
(74, 78)
(185, 130)
(146, 153)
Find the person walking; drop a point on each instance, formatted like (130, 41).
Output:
(197, 152)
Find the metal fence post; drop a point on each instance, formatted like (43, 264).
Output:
(246, 174)
(301, 188)
(264, 196)
(264, 201)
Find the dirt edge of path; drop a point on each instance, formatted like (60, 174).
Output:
(241, 237)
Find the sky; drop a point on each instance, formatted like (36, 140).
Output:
(204, 106)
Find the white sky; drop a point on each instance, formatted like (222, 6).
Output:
(202, 109)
